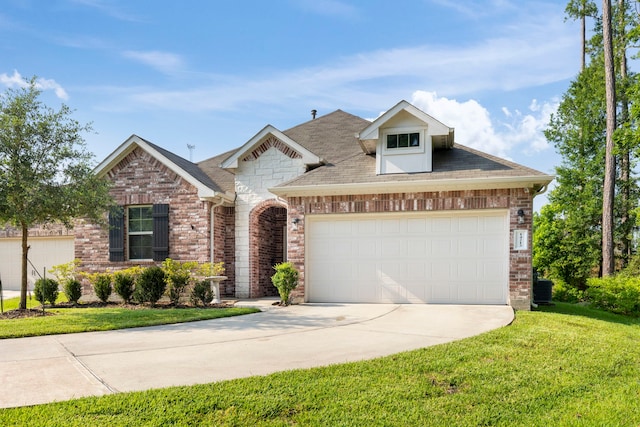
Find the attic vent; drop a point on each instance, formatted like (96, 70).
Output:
(313, 113)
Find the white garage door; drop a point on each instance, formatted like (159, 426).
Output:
(449, 258)
(45, 253)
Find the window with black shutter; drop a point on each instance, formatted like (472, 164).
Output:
(116, 234)
(160, 232)
(147, 233)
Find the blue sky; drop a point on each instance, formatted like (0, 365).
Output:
(213, 73)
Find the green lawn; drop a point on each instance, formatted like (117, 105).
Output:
(559, 366)
(71, 320)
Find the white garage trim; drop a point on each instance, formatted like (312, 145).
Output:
(449, 257)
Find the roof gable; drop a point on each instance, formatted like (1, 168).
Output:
(190, 172)
(269, 137)
(442, 135)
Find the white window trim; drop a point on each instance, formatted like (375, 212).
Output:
(421, 131)
(137, 233)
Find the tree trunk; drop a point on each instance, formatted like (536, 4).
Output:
(583, 22)
(25, 258)
(625, 155)
(610, 161)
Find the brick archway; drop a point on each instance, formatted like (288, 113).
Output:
(267, 245)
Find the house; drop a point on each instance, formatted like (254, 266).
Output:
(386, 211)
(49, 245)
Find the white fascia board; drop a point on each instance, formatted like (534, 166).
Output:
(204, 192)
(308, 157)
(436, 126)
(488, 183)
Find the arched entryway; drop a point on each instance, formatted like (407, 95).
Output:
(267, 245)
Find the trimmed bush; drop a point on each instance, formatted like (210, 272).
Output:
(102, 286)
(201, 293)
(46, 290)
(617, 294)
(124, 285)
(177, 277)
(150, 285)
(73, 290)
(285, 280)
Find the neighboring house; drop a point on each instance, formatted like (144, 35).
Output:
(50, 245)
(386, 211)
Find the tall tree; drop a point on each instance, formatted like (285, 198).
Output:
(581, 9)
(610, 160)
(46, 173)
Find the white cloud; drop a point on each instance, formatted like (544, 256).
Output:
(165, 62)
(475, 128)
(16, 80)
(108, 8)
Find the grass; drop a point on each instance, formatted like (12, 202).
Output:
(563, 365)
(72, 320)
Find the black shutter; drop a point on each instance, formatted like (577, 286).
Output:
(160, 232)
(116, 234)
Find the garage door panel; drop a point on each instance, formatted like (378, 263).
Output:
(454, 257)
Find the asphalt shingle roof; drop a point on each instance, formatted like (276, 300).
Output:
(333, 138)
(459, 162)
(191, 168)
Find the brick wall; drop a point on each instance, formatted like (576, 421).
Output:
(520, 274)
(266, 243)
(141, 179)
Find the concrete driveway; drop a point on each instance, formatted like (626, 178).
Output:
(53, 368)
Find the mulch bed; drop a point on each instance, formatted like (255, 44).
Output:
(33, 312)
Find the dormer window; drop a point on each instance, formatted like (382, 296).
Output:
(403, 140)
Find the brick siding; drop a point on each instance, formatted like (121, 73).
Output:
(520, 274)
(140, 179)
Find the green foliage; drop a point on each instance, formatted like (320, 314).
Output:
(285, 280)
(201, 293)
(633, 267)
(177, 276)
(124, 285)
(46, 290)
(102, 286)
(211, 269)
(562, 292)
(67, 271)
(561, 248)
(73, 290)
(46, 173)
(150, 285)
(618, 294)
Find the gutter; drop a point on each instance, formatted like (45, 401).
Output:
(536, 184)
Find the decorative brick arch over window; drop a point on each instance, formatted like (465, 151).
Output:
(267, 245)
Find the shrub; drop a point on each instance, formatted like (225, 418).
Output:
(124, 285)
(562, 292)
(150, 285)
(617, 294)
(201, 293)
(285, 280)
(212, 269)
(102, 286)
(177, 276)
(46, 290)
(73, 290)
